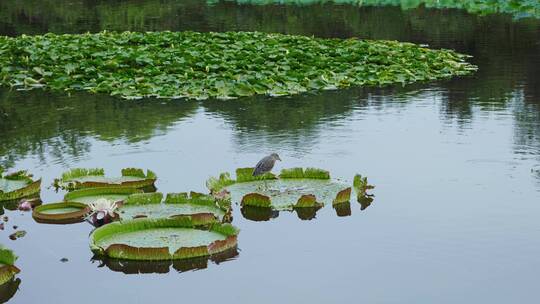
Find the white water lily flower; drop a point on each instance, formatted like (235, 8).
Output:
(102, 207)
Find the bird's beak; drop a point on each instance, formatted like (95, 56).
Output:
(279, 158)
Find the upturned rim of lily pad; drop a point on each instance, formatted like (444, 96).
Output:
(259, 200)
(245, 174)
(32, 188)
(77, 194)
(191, 198)
(71, 217)
(198, 222)
(7, 268)
(69, 179)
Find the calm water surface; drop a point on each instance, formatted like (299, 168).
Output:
(456, 164)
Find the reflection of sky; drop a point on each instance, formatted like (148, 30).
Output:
(453, 202)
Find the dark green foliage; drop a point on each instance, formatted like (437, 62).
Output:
(517, 8)
(219, 65)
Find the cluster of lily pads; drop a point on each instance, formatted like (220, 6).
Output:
(215, 65)
(18, 185)
(136, 223)
(297, 189)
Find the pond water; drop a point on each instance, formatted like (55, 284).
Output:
(456, 164)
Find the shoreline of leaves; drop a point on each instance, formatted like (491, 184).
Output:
(225, 65)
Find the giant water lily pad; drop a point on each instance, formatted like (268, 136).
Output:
(295, 188)
(215, 65)
(150, 205)
(90, 195)
(60, 213)
(18, 185)
(91, 178)
(286, 194)
(7, 267)
(163, 239)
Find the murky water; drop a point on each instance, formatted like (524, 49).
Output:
(456, 164)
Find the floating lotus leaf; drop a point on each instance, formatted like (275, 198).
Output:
(164, 266)
(91, 178)
(90, 195)
(303, 190)
(163, 239)
(295, 188)
(18, 185)
(60, 213)
(7, 267)
(150, 205)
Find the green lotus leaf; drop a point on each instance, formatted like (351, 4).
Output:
(80, 178)
(291, 192)
(7, 267)
(163, 239)
(18, 185)
(221, 65)
(60, 213)
(150, 205)
(90, 195)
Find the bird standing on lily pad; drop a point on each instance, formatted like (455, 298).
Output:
(265, 165)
